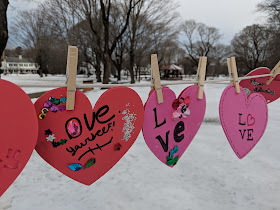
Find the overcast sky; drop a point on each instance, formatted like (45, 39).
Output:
(229, 17)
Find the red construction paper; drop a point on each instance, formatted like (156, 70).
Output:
(105, 138)
(270, 92)
(19, 131)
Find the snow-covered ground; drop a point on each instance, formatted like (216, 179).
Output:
(208, 176)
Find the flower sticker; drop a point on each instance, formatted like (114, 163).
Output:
(182, 108)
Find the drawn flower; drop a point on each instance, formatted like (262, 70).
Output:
(51, 138)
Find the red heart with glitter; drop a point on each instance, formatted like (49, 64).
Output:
(17, 114)
(84, 144)
(270, 92)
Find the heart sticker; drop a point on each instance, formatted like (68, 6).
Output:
(19, 131)
(84, 144)
(170, 127)
(244, 119)
(270, 92)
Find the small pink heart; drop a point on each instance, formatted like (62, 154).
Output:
(243, 119)
(168, 138)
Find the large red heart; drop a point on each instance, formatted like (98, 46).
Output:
(19, 130)
(84, 144)
(270, 92)
(169, 131)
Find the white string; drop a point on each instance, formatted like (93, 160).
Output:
(49, 85)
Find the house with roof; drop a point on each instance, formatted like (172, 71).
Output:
(171, 72)
(18, 65)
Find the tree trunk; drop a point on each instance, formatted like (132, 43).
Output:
(131, 65)
(98, 70)
(107, 69)
(139, 74)
(119, 72)
(3, 25)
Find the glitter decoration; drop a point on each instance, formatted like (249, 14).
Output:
(54, 108)
(63, 100)
(56, 102)
(90, 163)
(73, 128)
(51, 138)
(45, 110)
(128, 126)
(75, 167)
(42, 116)
(52, 99)
(117, 147)
(62, 108)
(47, 104)
(48, 132)
(182, 109)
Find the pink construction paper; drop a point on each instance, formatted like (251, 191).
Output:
(243, 119)
(164, 112)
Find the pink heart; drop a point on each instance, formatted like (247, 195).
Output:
(158, 123)
(244, 120)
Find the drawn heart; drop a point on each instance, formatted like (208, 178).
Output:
(19, 130)
(168, 131)
(243, 119)
(84, 144)
(270, 92)
(250, 120)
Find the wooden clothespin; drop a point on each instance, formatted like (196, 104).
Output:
(200, 76)
(71, 73)
(275, 71)
(232, 70)
(230, 74)
(198, 70)
(156, 78)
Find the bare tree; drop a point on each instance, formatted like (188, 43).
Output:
(199, 39)
(251, 46)
(272, 8)
(89, 10)
(149, 26)
(217, 58)
(3, 25)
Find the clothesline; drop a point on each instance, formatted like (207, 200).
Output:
(57, 85)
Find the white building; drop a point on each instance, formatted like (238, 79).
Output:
(19, 65)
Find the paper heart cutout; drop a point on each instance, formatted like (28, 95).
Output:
(158, 124)
(243, 119)
(88, 143)
(270, 92)
(19, 131)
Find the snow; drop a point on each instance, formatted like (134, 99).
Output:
(208, 176)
